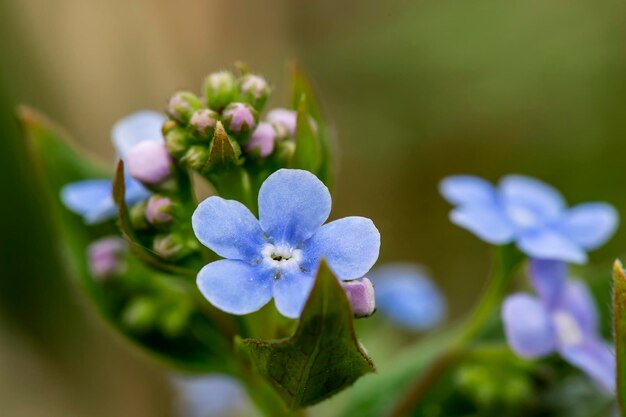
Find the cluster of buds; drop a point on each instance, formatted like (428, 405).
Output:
(222, 128)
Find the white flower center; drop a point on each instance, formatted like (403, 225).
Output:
(281, 256)
(567, 329)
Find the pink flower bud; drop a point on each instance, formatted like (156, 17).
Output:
(158, 210)
(204, 121)
(284, 117)
(360, 292)
(239, 118)
(149, 162)
(262, 139)
(105, 257)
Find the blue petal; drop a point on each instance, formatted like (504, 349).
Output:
(140, 126)
(228, 228)
(578, 301)
(349, 245)
(528, 327)
(596, 359)
(467, 190)
(291, 291)
(530, 202)
(551, 244)
(208, 396)
(407, 296)
(591, 224)
(548, 278)
(235, 286)
(488, 222)
(293, 204)
(91, 199)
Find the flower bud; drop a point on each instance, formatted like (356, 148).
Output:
(170, 246)
(262, 140)
(176, 141)
(140, 314)
(240, 119)
(159, 210)
(284, 118)
(149, 162)
(204, 121)
(106, 257)
(360, 292)
(137, 214)
(219, 89)
(196, 157)
(182, 105)
(253, 89)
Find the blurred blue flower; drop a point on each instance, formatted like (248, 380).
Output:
(563, 319)
(209, 396)
(530, 213)
(93, 199)
(406, 295)
(279, 254)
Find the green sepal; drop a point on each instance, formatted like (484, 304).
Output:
(308, 149)
(302, 88)
(619, 329)
(323, 357)
(144, 253)
(224, 153)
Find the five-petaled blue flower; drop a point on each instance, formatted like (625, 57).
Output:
(530, 213)
(93, 199)
(279, 254)
(562, 319)
(406, 295)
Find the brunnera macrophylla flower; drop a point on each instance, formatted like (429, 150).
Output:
(563, 319)
(406, 296)
(530, 213)
(360, 293)
(278, 255)
(213, 395)
(93, 199)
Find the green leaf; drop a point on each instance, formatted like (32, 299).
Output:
(619, 323)
(323, 357)
(58, 163)
(302, 88)
(308, 149)
(142, 252)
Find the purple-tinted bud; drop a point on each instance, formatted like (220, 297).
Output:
(149, 162)
(204, 121)
(240, 119)
(182, 105)
(220, 89)
(262, 140)
(159, 210)
(360, 292)
(105, 257)
(255, 90)
(285, 118)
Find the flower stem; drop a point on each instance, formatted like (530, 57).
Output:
(506, 260)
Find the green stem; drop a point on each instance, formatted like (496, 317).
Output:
(507, 259)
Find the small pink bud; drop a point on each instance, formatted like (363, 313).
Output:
(285, 118)
(239, 118)
(262, 139)
(204, 121)
(360, 292)
(105, 257)
(149, 162)
(158, 210)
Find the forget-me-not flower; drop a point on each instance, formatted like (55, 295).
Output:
(531, 214)
(563, 319)
(406, 295)
(279, 254)
(93, 199)
(209, 396)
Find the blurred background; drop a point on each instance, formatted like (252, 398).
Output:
(415, 90)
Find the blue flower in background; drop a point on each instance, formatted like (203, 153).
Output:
(530, 213)
(279, 254)
(406, 295)
(563, 319)
(209, 396)
(93, 199)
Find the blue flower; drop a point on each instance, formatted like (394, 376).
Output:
(407, 296)
(279, 254)
(563, 319)
(530, 213)
(93, 199)
(209, 396)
